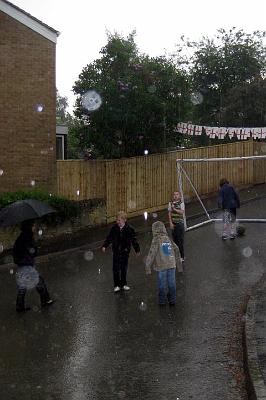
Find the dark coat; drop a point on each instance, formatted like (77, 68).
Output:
(122, 239)
(24, 249)
(228, 198)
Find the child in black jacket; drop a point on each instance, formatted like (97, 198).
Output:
(121, 236)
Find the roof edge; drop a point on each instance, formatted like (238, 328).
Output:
(28, 20)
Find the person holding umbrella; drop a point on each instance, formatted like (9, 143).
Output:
(27, 277)
(25, 250)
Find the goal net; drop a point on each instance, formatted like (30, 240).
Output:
(197, 177)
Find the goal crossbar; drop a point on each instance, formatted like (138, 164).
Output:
(180, 160)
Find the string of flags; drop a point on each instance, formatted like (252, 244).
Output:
(220, 132)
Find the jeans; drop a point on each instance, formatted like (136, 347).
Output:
(120, 262)
(178, 236)
(167, 286)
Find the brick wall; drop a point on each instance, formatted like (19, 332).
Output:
(27, 137)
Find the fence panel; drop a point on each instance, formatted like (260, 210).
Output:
(145, 183)
(259, 165)
(81, 180)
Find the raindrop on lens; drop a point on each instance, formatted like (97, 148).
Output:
(131, 204)
(247, 252)
(39, 108)
(88, 255)
(196, 98)
(143, 306)
(152, 89)
(27, 278)
(91, 100)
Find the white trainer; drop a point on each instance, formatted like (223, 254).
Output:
(125, 287)
(116, 289)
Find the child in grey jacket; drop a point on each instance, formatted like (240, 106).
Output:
(164, 256)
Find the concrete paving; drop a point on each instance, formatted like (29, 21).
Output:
(94, 344)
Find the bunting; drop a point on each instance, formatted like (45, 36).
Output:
(220, 132)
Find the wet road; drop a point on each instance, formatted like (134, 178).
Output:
(94, 344)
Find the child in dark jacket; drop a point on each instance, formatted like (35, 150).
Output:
(27, 277)
(228, 200)
(121, 236)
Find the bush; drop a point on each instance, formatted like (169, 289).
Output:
(66, 209)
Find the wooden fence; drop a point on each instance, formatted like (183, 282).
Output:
(145, 183)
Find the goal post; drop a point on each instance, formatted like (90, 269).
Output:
(181, 172)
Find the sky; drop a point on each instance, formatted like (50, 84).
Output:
(159, 24)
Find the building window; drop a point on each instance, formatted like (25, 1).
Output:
(60, 147)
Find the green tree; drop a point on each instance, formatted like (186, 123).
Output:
(143, 98)
(220, 68)
(61, 109)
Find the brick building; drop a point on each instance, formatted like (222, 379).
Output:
(27, 101)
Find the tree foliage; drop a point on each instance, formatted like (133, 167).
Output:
(142, 99)
(220, 68)
(61, 109)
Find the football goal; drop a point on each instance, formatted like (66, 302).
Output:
(183, 174)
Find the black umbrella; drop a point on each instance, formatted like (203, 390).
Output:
(22, 210)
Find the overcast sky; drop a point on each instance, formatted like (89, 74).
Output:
(159, 24)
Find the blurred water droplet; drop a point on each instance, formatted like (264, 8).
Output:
(143, 306)
(39, 108)
(32, 250)
(78, 192)
(146, 152)
(40, 232)
(196, 98)
(152, 89)
(91, 100)
(247, 252)
(32, 182)
(88, 255)
(27, 277)
(145, 215)
(131, 204)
